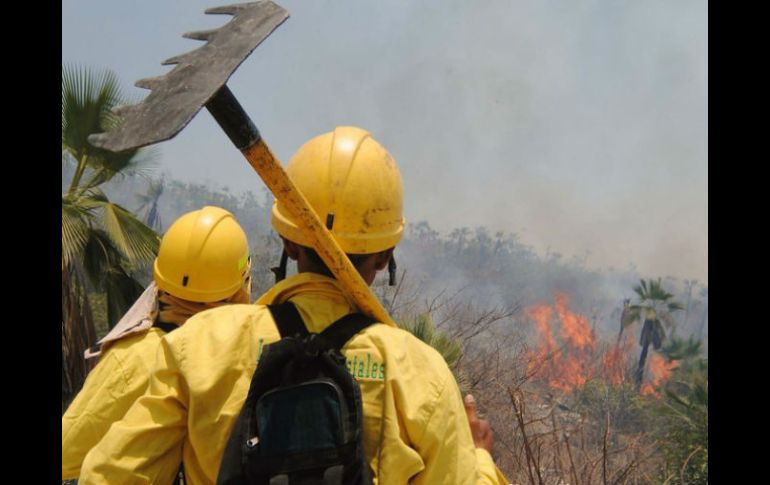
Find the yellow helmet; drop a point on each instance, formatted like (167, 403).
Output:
(353, 184)
(203, 257)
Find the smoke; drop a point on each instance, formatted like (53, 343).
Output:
(581, 126)
(578, 125)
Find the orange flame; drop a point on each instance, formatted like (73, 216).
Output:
(570, 373)
(565, 367)
(568, 361)
(614, 363)
(541, 314)
(574, 327)
(660, 371)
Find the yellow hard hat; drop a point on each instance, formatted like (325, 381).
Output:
(353, 184)
(203, 257)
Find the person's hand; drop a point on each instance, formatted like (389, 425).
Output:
(480, 429)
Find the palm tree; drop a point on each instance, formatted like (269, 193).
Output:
(102, 242)
(149, 202)
(654, 308)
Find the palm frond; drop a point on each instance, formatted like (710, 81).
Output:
(75, 226)
(99, 256)
(107, 166)
(667, 319)
(128, 235)
(105, 267)
(657, 293)
(654, 285)
(700, 393)
(103, 167)
(146, 162)
(121, 290)
(630, 315)
(675, 306)
(93, 198)
(149, 203)
(677, 348)
(678, 405)
(422, 327)
(138, 242)
(691, 404)
(449, 349)
(87, 97)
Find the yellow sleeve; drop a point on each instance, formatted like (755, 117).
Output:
(146, 445)
(447, 447)
(488, 469)
(108, 392)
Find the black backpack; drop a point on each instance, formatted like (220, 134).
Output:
(301, 423)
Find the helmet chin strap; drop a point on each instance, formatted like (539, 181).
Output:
(280, 270)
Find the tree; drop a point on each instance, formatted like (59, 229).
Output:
(149, 203)
(654, 309)
(102, 242)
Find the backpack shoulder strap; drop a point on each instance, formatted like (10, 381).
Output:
(338, 333)
(287, 319)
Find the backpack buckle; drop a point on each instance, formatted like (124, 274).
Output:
(252, 443)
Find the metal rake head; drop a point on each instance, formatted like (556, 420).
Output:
(177, 96)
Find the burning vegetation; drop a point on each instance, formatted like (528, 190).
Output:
(568, 353)
(562, 396)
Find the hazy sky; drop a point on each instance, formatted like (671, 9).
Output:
(581, 125)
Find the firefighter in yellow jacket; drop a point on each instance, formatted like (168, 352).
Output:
(203, 263)
(415, 425)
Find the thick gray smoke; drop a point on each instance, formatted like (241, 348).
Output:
(579, 125)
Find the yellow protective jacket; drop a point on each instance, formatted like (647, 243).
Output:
(415, 427)
(120, 377)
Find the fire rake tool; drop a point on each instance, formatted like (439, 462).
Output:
(198, 80)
